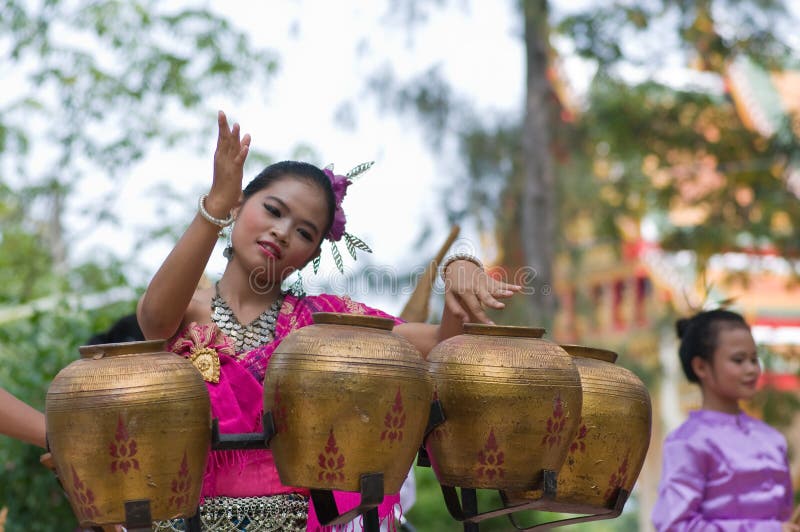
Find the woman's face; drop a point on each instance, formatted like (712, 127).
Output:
(734, 369)
(279, 228)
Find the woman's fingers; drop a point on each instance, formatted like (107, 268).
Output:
(229, 143)
(453, 305)
(229, 136)
(224, 135)
(466, 307)
(488, 299)
(244, 149)
(469, 291)
(503, 287)
(488, 290)
(481, 316)
(222, 120)
(475, 308)
(229, 158)
(502, 290)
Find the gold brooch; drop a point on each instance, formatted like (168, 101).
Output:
(206, 360)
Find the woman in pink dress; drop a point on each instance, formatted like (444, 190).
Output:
(281, 219)
(723, 470)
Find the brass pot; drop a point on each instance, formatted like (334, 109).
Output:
(129, 422)
(512, 403)
(348, 397)
(609, 449)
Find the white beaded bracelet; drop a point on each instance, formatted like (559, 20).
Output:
(201, 208)
(459, 256)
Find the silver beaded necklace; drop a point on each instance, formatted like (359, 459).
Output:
(258, 332)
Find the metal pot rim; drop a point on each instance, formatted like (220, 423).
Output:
(596, 353)
(358, 320)
(503, 330)
(122, 348)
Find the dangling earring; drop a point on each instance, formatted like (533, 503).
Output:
(297, 289)
(228, 251)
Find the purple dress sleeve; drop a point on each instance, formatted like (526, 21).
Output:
(723, 473)
(681, 493)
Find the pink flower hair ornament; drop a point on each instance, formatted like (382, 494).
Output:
(339, 184)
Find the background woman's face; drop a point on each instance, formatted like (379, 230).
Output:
(735, 367)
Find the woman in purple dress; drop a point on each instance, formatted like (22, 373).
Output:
(723, 470)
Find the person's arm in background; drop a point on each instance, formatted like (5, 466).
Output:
(21, 421)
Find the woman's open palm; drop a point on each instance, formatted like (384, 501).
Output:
(229, 163)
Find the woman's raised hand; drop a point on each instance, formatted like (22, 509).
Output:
(228, 168)
(469, 290)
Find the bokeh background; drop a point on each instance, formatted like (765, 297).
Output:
(628, 162)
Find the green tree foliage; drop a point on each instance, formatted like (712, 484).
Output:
(659, 149)
(32, 352)
(90, 88)
(686, 154)
(614, 34)
(640, 145)
(100, 83)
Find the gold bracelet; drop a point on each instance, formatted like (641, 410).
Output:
(201, 208)
(459, 256)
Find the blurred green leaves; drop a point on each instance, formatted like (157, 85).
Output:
(32, 352)
(656, 137)
(98, 85)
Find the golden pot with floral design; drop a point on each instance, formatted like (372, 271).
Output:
(348, 397)
(511, 402)
(129, 422)
(609, 448)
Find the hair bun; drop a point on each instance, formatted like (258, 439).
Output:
(681, 326)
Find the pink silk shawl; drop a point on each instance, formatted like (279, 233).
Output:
(236, 401)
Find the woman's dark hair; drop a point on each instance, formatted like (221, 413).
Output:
(298, 170)
(125, 329)
(699, 335)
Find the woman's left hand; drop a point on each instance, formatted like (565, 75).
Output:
(469, 290)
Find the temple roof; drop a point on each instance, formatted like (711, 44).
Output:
(761, 286)
(763, 99)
